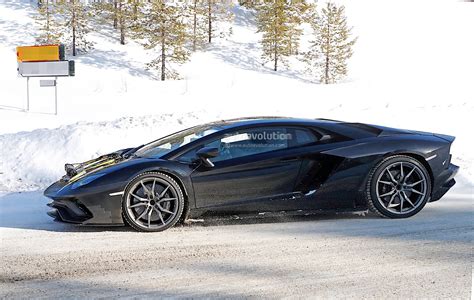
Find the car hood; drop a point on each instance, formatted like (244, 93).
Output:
(76, 171)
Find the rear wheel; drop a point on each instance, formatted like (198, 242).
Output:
(398, 187)
(152, 201)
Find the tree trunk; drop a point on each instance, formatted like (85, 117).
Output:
(209, 17)
(291, 44)
(115, 14)
(275, 52)
(163, 53)
(122, 34)
(122, 25)
(135, 10)
(326, 71)
(73, 23)
(326, 68)
(194, 25)
(48, 32)
(275, 43)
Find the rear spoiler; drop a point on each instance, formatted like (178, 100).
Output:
(445, 137)
(392, 131)
(381, 131)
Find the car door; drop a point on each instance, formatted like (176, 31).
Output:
(255, 170)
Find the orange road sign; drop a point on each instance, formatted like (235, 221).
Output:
(40, 53)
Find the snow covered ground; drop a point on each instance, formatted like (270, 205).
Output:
(412, 68)
(335, 256)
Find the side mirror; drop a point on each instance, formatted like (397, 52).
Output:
(204, 154)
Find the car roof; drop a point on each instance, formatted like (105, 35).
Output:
(269, 120)
(348, 129)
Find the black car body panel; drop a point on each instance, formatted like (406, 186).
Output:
(330, 173)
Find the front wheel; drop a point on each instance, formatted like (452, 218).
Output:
(398, 187)
(153, 202)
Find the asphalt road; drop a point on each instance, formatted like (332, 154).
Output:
(332, 255)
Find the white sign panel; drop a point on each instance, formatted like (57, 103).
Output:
(43, 69)
(45, 83)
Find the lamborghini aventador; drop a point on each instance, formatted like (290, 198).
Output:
(252, 165)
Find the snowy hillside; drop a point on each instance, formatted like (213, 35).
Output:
(49, 148)
(403, 74)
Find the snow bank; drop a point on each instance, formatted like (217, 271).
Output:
(32, 160)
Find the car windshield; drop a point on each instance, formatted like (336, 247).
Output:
(171, 142)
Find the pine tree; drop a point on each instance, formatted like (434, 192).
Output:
(135, 7)
(332, 46)
(75, 26)
(123, 13)
(216, 10)
(114, 13)
(161, 26)
(278, 21)
(199, 21)
(298, 14)
(249, 4)
(48, 24)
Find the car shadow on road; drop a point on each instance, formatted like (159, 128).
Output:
(28, 210)
(210, 221)
(279, 217)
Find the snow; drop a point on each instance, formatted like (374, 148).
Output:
(326, 255)
(404, 73)
(412, 68)
(44, 151)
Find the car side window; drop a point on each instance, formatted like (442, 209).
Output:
(254, 141)
(251, 142)
(301, 136)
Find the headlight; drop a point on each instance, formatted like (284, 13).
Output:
(86, 180)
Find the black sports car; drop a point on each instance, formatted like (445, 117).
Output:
(260, 164)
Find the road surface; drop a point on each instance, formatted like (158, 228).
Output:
(331, 255)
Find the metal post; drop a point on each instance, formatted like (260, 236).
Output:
(56, 96)
(27, 93)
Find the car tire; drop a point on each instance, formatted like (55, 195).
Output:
(398, 187)
(152, 202)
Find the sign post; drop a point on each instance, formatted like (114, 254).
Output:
(52, 83)
(55, 96)
(44, 61)
(27, 93)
